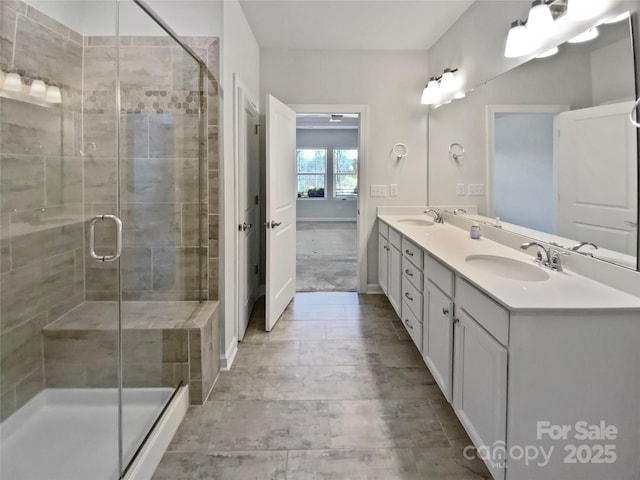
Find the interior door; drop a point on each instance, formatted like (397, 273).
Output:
(596, 157)
(248, 208)
(280, 208)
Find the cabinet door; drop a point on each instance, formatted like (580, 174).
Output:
(480, 384)
(438, 338)
(383, 264)
(395, 279)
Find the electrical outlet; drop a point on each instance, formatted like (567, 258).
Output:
(475, 189)
(393, 190)
(378, 190)
(460, 189)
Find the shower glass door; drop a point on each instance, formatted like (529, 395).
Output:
(159, 198)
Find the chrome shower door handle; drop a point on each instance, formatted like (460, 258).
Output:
(92, 238)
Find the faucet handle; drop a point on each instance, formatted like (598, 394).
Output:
(555, 262)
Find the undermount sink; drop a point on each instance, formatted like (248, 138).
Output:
(508, 268)
(416, 222)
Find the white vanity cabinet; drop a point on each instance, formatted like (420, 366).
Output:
(390, 264)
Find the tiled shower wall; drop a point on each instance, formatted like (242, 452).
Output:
(49, 189)
(159, 168)
(41, 210)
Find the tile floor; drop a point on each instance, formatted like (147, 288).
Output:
(336, 391)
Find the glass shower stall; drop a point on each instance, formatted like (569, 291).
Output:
(108, 232)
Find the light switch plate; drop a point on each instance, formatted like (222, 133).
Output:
(378, 190)
(475, 189)
(393, 190)
(460, 189)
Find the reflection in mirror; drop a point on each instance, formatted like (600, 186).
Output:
(561, 154)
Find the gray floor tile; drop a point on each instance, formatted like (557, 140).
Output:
(385, 424)
(194, 433)
(272, 425)
(239, 384)
(284, 330)
(379, 464)
(399, 353)
(449, 464)
(275, 354)
(373, 328)
(359, 351)
(222, 466)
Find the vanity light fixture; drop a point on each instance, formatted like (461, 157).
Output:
(549, 53)
(459, 94)
(38, 88)
(519, 41)
(448, 81)
(431, 93)
(585, 36)
(12, 82)
(53, 94)
(540, 20)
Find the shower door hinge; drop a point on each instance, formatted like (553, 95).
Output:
(256, 199)
(256, 269)
(257, 128)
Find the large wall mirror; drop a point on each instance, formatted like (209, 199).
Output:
(552, 144)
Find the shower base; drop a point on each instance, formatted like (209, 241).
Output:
(72, 434)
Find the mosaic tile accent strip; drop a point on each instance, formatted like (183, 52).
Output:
(184, 102)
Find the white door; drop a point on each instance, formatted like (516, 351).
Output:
(248, 207)
(596, 159)
(280, 208)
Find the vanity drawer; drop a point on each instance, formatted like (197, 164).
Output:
(411, 251)
(413, 326)
(412, 273)
(383, 229)
(395, 238)
(411, 297)
(440, 275)
(483, 310)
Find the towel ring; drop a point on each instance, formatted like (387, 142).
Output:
(460, 151)
(400, 150)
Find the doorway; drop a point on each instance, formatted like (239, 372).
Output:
(327, 167)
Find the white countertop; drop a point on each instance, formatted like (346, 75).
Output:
(561, 291)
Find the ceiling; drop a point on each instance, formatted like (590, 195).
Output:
(351, 24)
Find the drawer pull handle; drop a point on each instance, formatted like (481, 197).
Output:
(406, 320)
(385, 247)
(409, 252)
(445, 311)
(406, 294)
(408, 272)
(456, 320)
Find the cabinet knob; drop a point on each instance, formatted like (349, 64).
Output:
(445, 311)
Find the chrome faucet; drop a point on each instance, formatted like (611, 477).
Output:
(459, 210)
(437, 217)
(541, 249)
(578, 246)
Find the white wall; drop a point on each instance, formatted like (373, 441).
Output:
(390, 82)
(240, 56)
(523, 169)
(608, 88)
(328, 207)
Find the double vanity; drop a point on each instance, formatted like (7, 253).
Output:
(539, 363)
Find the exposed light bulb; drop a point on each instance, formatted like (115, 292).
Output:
(619, 18)
(460, 94)
(12, 82)
(549, 53)
(579, 10)
(540, 20)
(448, 81)
(54, 95)
(585, 36)
(519, 41)
(38, 89)
(431, 93)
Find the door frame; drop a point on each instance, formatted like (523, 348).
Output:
(241, 94)
(491, 111)
(363, 137)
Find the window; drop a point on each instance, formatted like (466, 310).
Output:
(312, 170)
(346, 172)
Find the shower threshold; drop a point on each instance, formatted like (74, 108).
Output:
(72, 434)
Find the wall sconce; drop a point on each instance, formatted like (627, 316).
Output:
(12, 82)
(442, 89)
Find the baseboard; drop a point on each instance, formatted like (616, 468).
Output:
(326, 219)
(374, 288)
(227, 359)
(149, 457)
